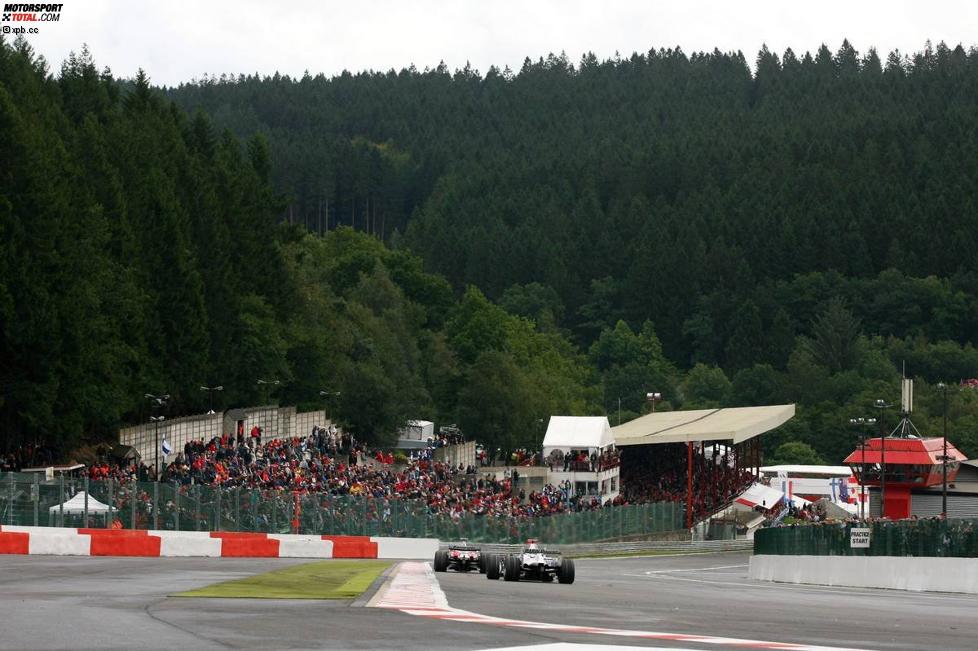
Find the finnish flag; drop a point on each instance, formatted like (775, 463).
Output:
(166, 447)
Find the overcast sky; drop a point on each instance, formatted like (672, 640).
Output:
(178, 40)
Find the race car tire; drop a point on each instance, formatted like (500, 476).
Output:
(513, 568)
(482, 563)
(441, 560)
(492, 567)
(565, 573)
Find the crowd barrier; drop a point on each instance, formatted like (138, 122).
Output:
(922, 555)
(64, 541)
(954, 537)
(31, 500)
(933, 574)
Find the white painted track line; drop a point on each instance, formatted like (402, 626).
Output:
(414, 590)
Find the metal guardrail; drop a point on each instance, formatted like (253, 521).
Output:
(660, 546)
(28, 499)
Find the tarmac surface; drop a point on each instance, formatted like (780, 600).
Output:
(50, 602)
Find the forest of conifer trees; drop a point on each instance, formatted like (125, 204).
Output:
(494, 248)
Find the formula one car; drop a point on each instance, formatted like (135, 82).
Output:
(533, 564)
(461, 558)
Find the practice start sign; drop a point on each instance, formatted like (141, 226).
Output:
(859, 538)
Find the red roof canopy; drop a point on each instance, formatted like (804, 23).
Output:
(922, 452)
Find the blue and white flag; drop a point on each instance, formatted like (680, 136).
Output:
(165, 446)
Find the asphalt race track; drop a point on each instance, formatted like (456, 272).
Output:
(121, 603)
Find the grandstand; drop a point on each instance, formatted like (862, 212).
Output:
(710, 476)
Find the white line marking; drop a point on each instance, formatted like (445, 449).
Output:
(414, 590)
(839, 589)
(695, 569)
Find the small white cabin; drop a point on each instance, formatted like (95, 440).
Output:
(581, 449)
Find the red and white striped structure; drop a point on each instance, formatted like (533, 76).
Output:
(126, 542)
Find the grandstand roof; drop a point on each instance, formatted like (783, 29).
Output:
(577, 433)
(730, 424)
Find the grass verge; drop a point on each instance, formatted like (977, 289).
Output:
(333, 579)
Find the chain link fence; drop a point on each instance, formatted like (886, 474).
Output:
(930, 537)
(29, 499)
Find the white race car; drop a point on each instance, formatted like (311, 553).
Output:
(461, 558)
(533, 564)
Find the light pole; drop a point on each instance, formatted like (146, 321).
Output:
(210, 396)
(943, 388)
(619, 410)
(882, 405)
(264, 383)
(653, 397)
(158, 403)
(861, 423)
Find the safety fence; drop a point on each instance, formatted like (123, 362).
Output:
(930, 537)
(29, 499)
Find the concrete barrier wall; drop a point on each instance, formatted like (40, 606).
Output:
(291, 546)
(890, 572)
(177, 433)
(276, 422)
(406, 547)
(185, 546)
(455, 455)
(61, 541)
(303, 422)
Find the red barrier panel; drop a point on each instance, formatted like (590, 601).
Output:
(120, 545)
(249, 547)
(15, 543)
(238, 534)
(352, 546)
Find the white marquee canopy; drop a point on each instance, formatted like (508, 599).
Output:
(577, 433)
(76, 505)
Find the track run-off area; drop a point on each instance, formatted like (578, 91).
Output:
(700, 601)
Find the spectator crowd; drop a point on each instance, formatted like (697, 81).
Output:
(332, 464)
(582, 461)
(658, 474)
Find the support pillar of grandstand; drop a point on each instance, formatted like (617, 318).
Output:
(689, 485)
(703, 493)
(757, 458)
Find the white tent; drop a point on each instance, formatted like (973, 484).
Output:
(417, 430)
(76, 505)
(577, 433)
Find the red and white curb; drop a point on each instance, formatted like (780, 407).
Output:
(64, 541)
(413, 587)
(414, 590)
